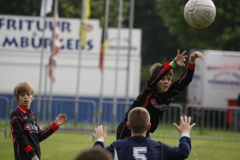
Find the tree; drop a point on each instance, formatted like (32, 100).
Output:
(25, 7)
(164, 28)
(157, 44)
(73, 9)
(222, 34)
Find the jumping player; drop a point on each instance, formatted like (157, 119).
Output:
(159, 90)
(141, 147)
(26, 133)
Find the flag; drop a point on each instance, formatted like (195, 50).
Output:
(104, 39)
(55, 45)
(51, 67)
(46, 7)
(86, 12)
(56, 32)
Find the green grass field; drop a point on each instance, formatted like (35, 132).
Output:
(65, 146)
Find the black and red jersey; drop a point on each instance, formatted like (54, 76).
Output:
(156, 103)
(26, 133)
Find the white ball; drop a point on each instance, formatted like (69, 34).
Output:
(199, 13)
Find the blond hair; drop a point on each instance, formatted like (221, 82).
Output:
(155, 66)
(138, 118)
(21, 88)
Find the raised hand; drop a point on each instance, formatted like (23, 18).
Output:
(60, 119)
(100, 133)
(181, 58)
(196, 55)
(185, 126)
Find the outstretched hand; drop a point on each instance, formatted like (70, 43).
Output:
(185, 126)
(60, 119)
(196, 55)
(100, 133)
(181, 58)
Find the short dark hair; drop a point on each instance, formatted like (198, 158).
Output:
(95, 153)
(138, 118)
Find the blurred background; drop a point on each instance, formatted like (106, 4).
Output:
(120, 40)
(164, 29)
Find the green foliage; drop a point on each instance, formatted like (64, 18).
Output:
(222, 34)
(157, 43)
(164, 29)
(73, 9)
(25, 7)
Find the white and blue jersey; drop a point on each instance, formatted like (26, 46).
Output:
(143, 148)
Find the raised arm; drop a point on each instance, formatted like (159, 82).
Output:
(187, 76)
(195, 55)
(180, 59)
(185, 125)
(160, 72)
(43, 134)
(184, 148)
(100, 134)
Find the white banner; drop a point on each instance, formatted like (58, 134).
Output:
(216, 80)
(21, 45)
(26, 33)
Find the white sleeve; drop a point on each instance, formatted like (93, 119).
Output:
(185, 135)
(100, 140)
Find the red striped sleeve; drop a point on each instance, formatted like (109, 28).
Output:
(191, 66)
(28, 148)
(167, 65)
(54, 126)
(15, 117)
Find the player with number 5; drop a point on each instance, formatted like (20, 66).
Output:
(140, 147)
